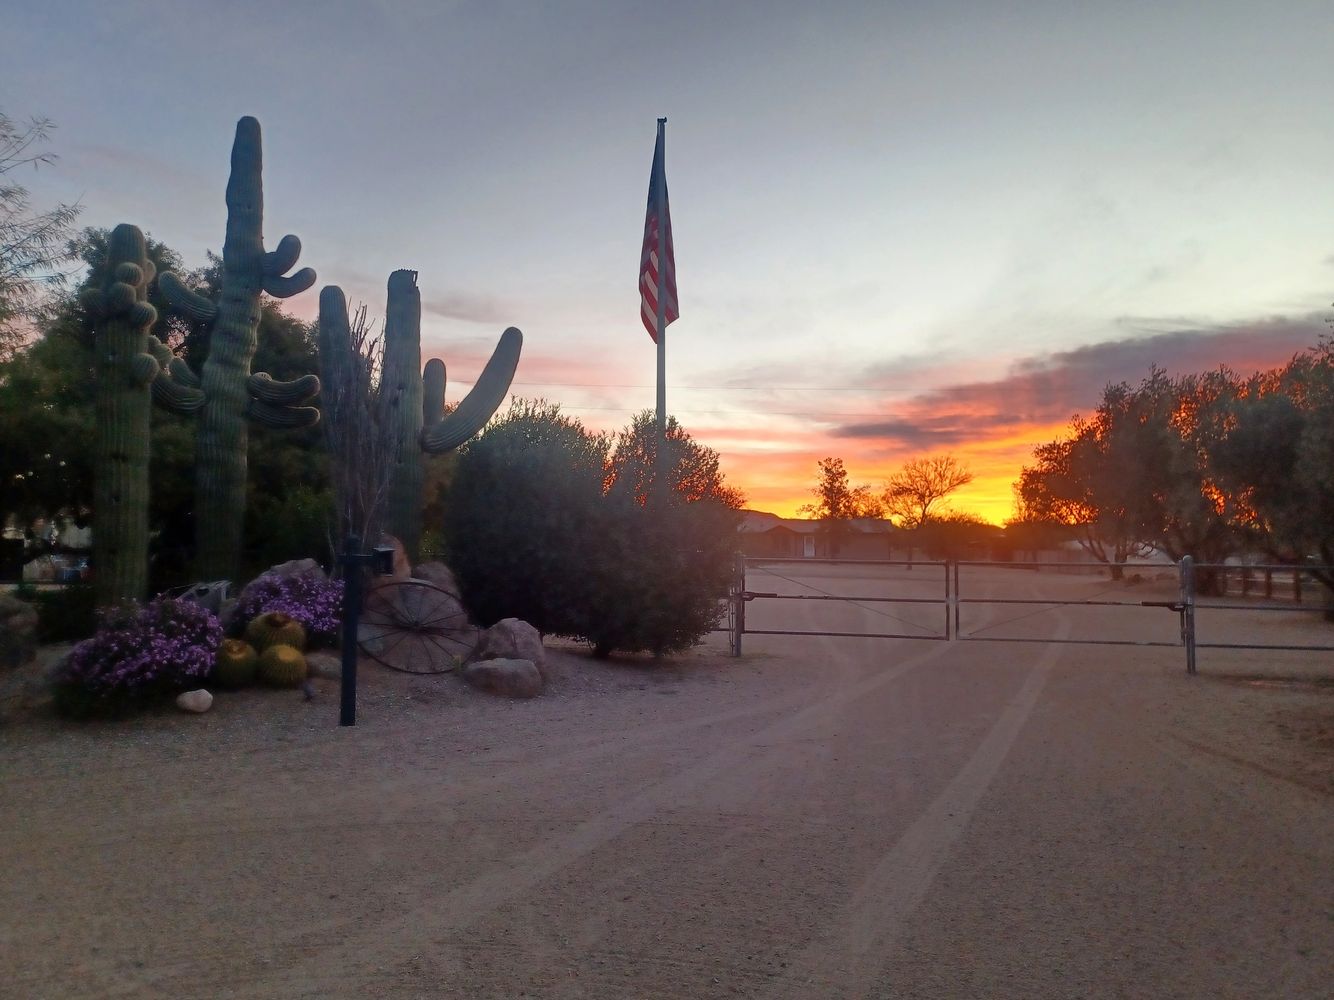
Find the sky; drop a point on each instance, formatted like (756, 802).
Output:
(901, 229)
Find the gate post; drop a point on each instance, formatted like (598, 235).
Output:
(1188, 611)
(738, 602)
(951, 599)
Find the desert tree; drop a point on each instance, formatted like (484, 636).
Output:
(1276, 460)
(837, 502)
(914, 492)
(31, 243)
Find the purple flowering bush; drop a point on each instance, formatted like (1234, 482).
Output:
(317, 604)
(162, 648)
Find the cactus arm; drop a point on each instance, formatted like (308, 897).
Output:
(433, 393)
(481, 403)
(283, 417)
(176, 398)
(265, 388)
(182, 373)
(160, 351)
(175, 386)
(283, 259)
(184, 300)
(285, 287)
(144, 368)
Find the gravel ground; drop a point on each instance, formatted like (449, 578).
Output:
(825, 817)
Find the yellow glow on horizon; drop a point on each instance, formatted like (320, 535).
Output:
(780, 485)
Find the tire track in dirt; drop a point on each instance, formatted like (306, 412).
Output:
(451, 910)
(554, 758)
(846, 959)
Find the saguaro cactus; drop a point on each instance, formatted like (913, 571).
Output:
(228, 393)
(410, 407)
(121, 320)
(400, 406)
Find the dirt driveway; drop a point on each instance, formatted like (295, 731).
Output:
(823, 818)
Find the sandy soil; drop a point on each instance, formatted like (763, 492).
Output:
(825, 817)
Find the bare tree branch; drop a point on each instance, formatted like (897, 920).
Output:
(915, 489)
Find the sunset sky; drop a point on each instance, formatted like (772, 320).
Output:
(901, 228)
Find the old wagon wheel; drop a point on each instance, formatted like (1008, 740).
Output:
(416, 627)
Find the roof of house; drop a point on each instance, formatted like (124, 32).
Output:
(757, 522)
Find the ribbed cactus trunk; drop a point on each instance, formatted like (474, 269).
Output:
(125, 370)
(224, 434)
(400, 404)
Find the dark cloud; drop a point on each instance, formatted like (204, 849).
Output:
(1049, 388)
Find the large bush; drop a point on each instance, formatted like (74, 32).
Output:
(162, 648)
(522, 515)
(658, 579)
(565, 529)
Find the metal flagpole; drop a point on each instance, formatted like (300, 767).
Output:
(659, 208)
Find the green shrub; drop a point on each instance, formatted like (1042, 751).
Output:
(521, 517)
(658, 581)
(548, 523)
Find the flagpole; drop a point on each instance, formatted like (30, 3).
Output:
(660, 188)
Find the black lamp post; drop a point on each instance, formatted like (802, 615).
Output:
(381, 558)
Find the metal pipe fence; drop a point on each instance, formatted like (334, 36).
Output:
(952, 599)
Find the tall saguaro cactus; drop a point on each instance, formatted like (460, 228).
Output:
(409, 408)
(400, 406)
(229, 394)
(122, 318)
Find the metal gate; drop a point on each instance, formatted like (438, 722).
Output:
(952, 599)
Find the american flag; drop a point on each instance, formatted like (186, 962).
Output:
(650, 257)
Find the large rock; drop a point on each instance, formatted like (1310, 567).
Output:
(18, 631)
(440, 575)
(511, 678)
(513, 639)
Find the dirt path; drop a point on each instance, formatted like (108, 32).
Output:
(825, 818)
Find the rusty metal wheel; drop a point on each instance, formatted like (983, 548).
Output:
(416, 627)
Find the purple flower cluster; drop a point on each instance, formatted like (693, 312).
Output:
(317, 604)
(166, 645)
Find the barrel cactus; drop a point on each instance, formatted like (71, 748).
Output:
(235, 664)
(274, 628)
(228, 394)
(122, 316)
(282, 666)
